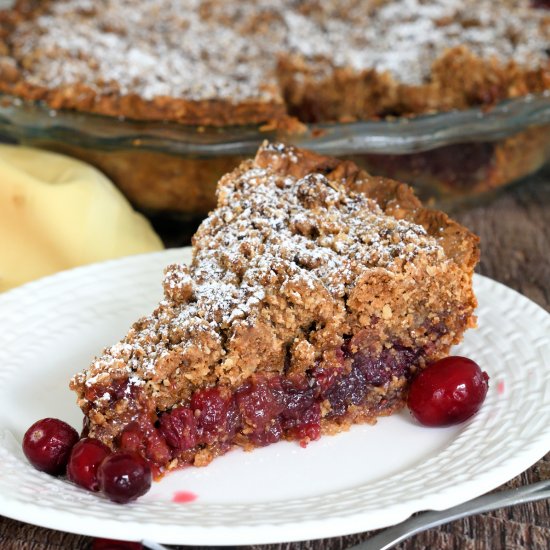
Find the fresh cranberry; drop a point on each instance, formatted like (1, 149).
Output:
(448, 391)
(47, 445)
(124, 477)
(108, 544)
(84, 461)
(179, 428)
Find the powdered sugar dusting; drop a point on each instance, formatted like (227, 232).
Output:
(404, 37)
(201, 50)
(153, 48)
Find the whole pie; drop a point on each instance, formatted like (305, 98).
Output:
(314, 294)
(278, 65)
(218, 62)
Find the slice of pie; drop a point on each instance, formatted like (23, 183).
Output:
(314, 293)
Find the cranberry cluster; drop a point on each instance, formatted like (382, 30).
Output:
(54, 447)
(265, 408)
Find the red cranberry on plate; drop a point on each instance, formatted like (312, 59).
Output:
(108, 544)
(124, 477)
(543, 4)
(448, 391)
(84, 461)
(47, 445)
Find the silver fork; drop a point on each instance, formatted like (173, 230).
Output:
(388, 538)
(422, 522)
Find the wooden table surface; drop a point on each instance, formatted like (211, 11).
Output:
(515, 237)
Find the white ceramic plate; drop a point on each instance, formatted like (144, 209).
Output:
(367, 478)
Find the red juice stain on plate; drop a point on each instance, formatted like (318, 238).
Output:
(184, 496)
(500, 387)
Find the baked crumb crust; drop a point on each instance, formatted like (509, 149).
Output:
(220, 63)
(305, 255)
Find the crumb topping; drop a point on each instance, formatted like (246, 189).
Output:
(404, 37)
(204, 50)
(275, 268)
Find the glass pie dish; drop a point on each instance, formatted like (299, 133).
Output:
(167, 167)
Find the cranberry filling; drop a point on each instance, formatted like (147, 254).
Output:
(144, 439)
(259, 402)
(267, 408)
(179, 428)
(368, 371)
(211, 409)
